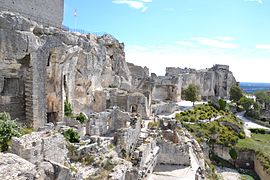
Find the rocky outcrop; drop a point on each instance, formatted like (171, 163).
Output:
(13, 167)
(41, 67)
(213, 82)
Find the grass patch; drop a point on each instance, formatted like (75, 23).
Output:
(199, 112)
(226, 135)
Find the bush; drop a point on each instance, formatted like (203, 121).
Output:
(81, 117)
(68, 109)
(222, 104)
(71, 135)
(258, 131)
(192, 119)
(153, 125)
(8, 129)
(241, 135)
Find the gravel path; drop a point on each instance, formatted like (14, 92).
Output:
(228, 174)
(249, 124)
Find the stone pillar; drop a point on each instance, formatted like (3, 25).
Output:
(39, 111)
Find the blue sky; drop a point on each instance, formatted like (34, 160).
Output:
(183, 33)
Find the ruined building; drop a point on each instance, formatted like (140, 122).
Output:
(42, 67)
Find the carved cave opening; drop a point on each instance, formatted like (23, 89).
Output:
(133, 108)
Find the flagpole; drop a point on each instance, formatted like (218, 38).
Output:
(75, 18)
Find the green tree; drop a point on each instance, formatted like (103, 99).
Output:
(8, 129)
(262, 97)
(236, 93)
(247, 103)
(191, 93)
(71, 135)
(222, 104)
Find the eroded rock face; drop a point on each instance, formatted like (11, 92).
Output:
(49, 65)
(13, 167)
(212, 82)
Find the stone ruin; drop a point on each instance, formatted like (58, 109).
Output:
(43, 67)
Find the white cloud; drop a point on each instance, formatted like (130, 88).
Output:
(263, 46)
(136, 4)
(146, 1)
(133, 4)
(258, 1)
(225, 38)
(185, 43)
(245, 66)
(214, 43)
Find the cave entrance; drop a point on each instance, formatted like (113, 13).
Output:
(52, 117)
(134, 108)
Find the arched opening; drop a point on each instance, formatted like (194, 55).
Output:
(133, 108)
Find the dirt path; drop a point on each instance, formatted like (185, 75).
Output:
(249, 124)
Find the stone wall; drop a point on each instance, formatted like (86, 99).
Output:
(107, 122)
(126, 138)
(260, 170)
(163, 108)
(46, 12)
(147, 154)
(174, 154)
(40, 146)
(222, 152)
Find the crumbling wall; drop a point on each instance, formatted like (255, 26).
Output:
(39, 146)
(260, 170)
(146, 155)
(174, 154)
(126, 138)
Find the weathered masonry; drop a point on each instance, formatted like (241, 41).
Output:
(48, 12)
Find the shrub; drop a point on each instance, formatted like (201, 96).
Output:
(241, 135)
(8, 129)
(233, 153)
(222, 104)
(153, 125)
(71, 135)
(258, 131)
(81, 117)
(178, 116)
(185, 119)
(68, 109)
(192, 119)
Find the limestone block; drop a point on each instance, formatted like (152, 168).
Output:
(13, 167)
(39, 146)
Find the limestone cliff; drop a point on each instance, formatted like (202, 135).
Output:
(212, 82)
(40, 67)
(215, 81)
